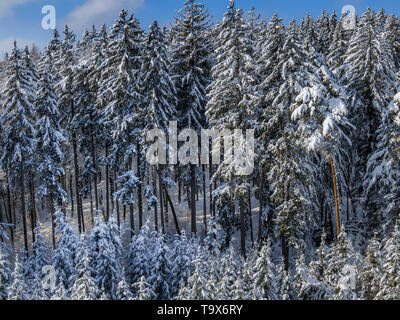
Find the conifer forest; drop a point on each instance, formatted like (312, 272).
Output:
(84, 214)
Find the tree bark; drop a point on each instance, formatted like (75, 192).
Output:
(193, 198)
(53, 225)
(71, 192)
(33, 207)
(204, 200)
(336, 198)
(77, 191)
(94, 163)
(9, 211)
(242, 227)
(261, 199)
(155, 207)
(161, 201)
(91, 203)
(116, 200)
(107, 186)
(140, 191)
(23, 210)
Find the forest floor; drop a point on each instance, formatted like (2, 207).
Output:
(182, 211)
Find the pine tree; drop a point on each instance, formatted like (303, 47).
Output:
(191, 63)
(50, 139)
(390, 282)
(231, 106)
(144, 290)
(196, 288)
(138, 259)
(5, 272)
(264, 286)
(63, 255)
(41, 254)
(369, 83)
(18, 120)
(371, 272)
(18, 289)
(125, 292)
(182, 266)
(120, 96)
(67, 107)
(228, 270)
(286, 174)
(307, 287)
(104, 262)
(380, 183)
(391, 34)
(160, 270)
(342, 259)
(84, 287)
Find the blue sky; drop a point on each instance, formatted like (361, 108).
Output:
(21, 19)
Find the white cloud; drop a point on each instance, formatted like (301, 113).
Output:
(99, 12)
(6, 6)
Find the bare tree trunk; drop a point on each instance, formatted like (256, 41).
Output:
(77, 191)
(285, 253)
(116, 200)
(155, 207)
(33, 207)
(9, 210)
(53, 225)
(204, 200)
(91, 203)
(336, 198)
(107, 186)
(96, 195)
(140, 191)
(161, 200)
(171, 205)
(23, 209)
(193, 198)
(250, 216)
(72, 196)
(242, 227)
(261, 198)
(179, 187)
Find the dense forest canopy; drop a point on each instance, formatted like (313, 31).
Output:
(318, 218)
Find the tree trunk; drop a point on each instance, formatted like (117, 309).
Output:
(91, 203)
(161, 200)
(261, 199)
(140, 191)
(10, 211)
(107, 186)
(53, 225)
(179, 187)
(33, 207)
(23, 210)
(155, 207)
(77, 191)
(116, 200)
(193, 198)
(72, 196)
(336, 198)
(171, 205)
(242, 227)
(250, 216)
(204, 200)
(94, 164)
(285, 253)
